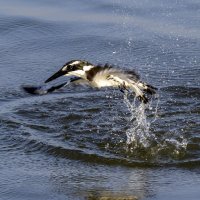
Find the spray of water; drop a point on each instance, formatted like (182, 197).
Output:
(140, 136)
(139, 130)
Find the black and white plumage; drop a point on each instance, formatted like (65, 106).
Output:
(99, 76)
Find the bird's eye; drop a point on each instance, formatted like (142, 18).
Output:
(71, 67)
(67, 67)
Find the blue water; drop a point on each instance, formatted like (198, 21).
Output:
(82, 143)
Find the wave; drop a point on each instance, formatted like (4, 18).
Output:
(104, 131)
(31, 146)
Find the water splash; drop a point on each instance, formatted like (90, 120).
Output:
(139, 130)
(141, 137)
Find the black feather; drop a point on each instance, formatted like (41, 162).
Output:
(143, 99)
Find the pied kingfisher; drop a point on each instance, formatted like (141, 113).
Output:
(99, 76)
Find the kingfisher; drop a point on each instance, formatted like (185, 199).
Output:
(99, 76)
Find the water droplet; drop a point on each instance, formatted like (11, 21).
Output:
(107, 146)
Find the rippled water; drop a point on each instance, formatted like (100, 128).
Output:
(82, 143)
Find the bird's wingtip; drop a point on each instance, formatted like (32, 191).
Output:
(34, 90)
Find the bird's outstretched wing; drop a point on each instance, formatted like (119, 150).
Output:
(100, 72)
(124, 80)
(41, 90)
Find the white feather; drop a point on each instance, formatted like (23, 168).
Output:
(75, 62)
(79, 73)
(87, 67)
(117, 78)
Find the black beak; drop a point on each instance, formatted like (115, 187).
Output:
(56, 75)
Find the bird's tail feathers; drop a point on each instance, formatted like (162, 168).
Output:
(149, 89)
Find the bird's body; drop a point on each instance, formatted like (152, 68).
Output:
(105, 76)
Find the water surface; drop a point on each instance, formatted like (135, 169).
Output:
(82, 143)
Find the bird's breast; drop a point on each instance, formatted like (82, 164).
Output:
(104, 82)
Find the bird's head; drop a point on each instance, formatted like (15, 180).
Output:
(74, 68)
